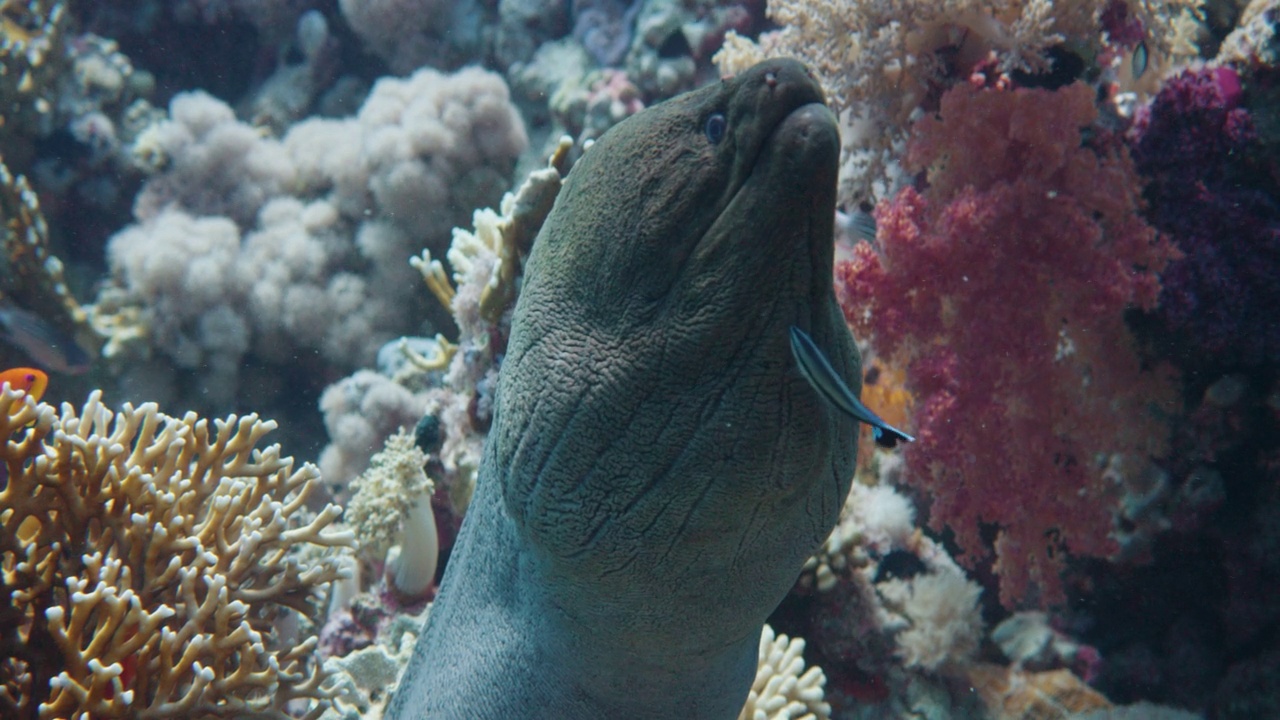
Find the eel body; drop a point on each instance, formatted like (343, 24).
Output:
(658, 468)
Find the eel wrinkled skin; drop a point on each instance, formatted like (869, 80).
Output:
(658, 468)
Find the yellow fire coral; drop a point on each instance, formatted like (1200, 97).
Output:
(153, 566)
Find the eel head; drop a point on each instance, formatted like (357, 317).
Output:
(659, 451)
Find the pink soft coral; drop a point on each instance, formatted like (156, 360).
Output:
(1002, 286)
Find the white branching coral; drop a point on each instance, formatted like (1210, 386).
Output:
(783, 688)
(148, 561)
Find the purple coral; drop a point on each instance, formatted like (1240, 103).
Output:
(1210, 191)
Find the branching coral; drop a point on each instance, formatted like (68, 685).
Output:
(783, 688)
(880, 59)
(487, 259)
(148, 561)
(1003, 287)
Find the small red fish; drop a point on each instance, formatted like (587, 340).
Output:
(29, 380)
(128, 669)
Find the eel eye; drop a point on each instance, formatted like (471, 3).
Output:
(716, 126)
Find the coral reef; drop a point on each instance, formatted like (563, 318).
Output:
(604, 27)
(455, 386)
(410, 34)
(252, 250)
(31, 36)
(34, 277)
(525, 26)
(208, 163)
(1033, 250)
(364, 679)
(1212, 189)
(152, 564)
(881, 60)
(213, 202)
(72, 103)
(892, 611)
(1210, 650)
(361, 411)
(586, 108)
(1012, 694)
(674, 39)
(1030, 642)
(1252, 40)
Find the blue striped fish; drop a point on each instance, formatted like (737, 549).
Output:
(830, 387)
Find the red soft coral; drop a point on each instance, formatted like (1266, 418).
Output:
(1002, 287)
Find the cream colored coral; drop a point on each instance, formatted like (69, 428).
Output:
(784, 689)
(392, 504)
(488, 256)
(932, 618)
(1253, 39)
(841, 548)
(944, 620)
(146, 561)
(384, 493)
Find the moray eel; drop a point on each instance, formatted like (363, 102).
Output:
(659, 468)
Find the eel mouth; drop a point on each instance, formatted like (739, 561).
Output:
(809, 137)
(803, 153)
(785, 87)
(795, 174)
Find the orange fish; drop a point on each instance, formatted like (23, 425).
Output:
(29, 380)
